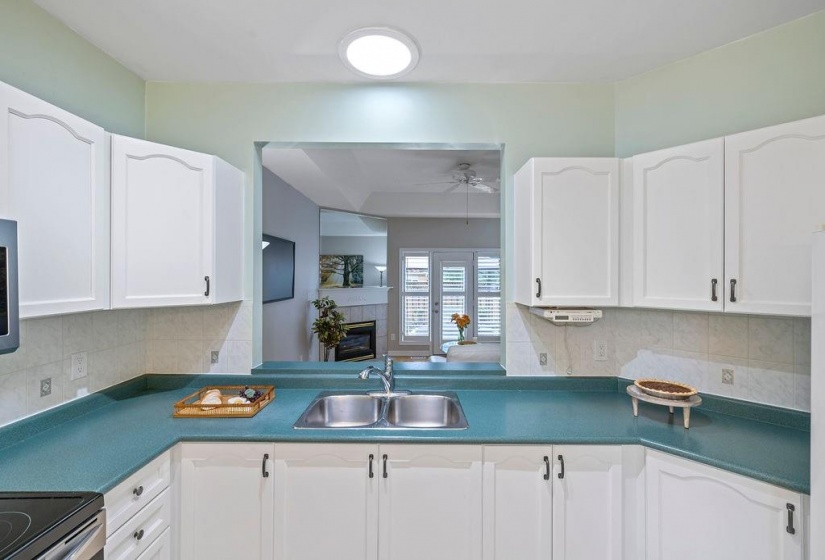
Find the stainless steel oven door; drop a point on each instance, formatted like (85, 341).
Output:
(85, 543)
(9, 307)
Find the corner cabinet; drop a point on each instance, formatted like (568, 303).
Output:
(226, 501)
(696, 511)
(48, 154)
(774, 200)
(177, 226)
(567, 232)
(678, 219)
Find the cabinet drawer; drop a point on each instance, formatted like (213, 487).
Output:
(126, 499)
(161, 549)
(135, 536)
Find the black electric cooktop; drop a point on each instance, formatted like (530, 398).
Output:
(32, 522)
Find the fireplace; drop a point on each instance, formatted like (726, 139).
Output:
(359, 344)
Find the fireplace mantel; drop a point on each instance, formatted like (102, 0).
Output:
(349, 297)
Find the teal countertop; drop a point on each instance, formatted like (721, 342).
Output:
(96, 442)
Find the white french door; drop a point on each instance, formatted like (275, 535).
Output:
(453, 292)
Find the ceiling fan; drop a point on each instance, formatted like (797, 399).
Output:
(465, 176)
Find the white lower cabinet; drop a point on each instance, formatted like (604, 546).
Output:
(430, 502)
(227, 501)
(587, 502)
(696, 511)
(518, 502)
(161, 549)
(326, 501)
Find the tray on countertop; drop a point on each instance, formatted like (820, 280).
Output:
(191, 406)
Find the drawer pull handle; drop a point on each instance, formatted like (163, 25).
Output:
(732, 290)
(546, 468)
(538, 291)
(385, 465)
(561, 460)
(790, 528)
(713, 284)
(138, 491)
(372, 474)
(264, 472)
(206, 279)
(138, 535)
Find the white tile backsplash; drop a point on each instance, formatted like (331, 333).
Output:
(770, 356)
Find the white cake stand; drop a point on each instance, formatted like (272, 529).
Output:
(637, 395)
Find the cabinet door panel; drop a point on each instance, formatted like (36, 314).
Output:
(587, 502)
(517, 503)
(577, 217)
(326, 503)
(430, 503)
(162, 224)
(695, 511)
(54, 184)
(678, 227)
(774, 200)
(226, 503)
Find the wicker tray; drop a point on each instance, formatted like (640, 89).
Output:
(190, 406)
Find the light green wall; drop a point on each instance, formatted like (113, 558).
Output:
(769, 78)
(530, 120)
(41, 56)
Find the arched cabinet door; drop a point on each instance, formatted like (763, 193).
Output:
(774, 200)
(53, 183)
(177, 226)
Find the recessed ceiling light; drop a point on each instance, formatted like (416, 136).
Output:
(380, 53)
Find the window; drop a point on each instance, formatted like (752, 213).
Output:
(488, 290)
(415, 297)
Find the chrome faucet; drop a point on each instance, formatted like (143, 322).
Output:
(386, 376)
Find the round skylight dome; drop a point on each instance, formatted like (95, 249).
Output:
(380, 53)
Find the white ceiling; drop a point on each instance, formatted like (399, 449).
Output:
(461, 40)
(389, 182)
(345, 224)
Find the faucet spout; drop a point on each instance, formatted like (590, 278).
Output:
(386, 375)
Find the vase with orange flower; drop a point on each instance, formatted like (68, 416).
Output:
(462, 321)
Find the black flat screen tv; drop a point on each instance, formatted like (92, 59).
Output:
(279, 269)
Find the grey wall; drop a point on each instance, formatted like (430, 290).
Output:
(430, 233)
(374, 249)
(287, 324)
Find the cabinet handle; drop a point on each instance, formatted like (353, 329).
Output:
(138, 491)
(206, 279)
(713, 284)
(538, 291)
(385, 465)
(264, 472)
(790, 528)
(561, 460)
(732, 290)
(546, 468)
(138, 535)
(372, 474)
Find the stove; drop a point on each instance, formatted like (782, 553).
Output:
(46, 525)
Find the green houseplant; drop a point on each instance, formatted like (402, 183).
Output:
(329, 326)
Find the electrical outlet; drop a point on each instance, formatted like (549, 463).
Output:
(599, 351)
(392, 337)
(46, 387)
(78, 366)
(216, 356)
(727, 376)
(543, 359)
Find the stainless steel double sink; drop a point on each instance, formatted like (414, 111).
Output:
(364, 410)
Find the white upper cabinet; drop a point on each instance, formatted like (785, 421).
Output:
(177, 226)
(518, 507)
(53, 182)
(430, 502)
(678, 219)
(567, 232)
(695, 511)
(326, 501)
(774, 200)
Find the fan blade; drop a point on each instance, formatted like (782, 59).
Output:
(455, 187)
(437, 183)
